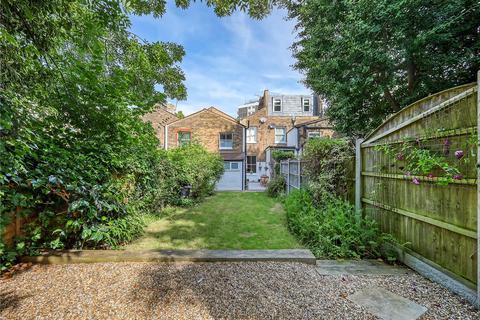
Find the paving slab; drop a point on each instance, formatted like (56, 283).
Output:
(387, 305)
(94, 256)
(359, 267)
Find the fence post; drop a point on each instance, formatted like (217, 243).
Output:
(478, 189)
(358, 175)
(299, 174)
(288, 176)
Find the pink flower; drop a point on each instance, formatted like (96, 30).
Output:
(457, 177)
(415, 181)
(400, 156)
(459, 154)
(431, 175)
(446, 142)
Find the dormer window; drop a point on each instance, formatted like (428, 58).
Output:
(277, 105)
(306, 104)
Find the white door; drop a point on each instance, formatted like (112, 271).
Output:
(232, 177)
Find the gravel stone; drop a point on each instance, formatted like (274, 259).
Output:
(261, 290)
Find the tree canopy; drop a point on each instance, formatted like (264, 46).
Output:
(371, 58)
(75, 154)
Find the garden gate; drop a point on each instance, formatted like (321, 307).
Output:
(416, 175)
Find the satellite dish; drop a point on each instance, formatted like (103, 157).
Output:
(263, 120)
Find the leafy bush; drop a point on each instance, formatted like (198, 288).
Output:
(279, 155)
(195, 167)
(333, 231)
(276, 186)
(326, 166)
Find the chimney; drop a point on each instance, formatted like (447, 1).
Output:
(264, 100)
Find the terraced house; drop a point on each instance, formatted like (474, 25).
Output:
(282, 122)
(278, 122)
(217, 132)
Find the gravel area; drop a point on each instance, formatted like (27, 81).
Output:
(207, 291)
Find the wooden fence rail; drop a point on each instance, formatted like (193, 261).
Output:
(436, 220)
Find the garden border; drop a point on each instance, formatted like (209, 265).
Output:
(98, 256)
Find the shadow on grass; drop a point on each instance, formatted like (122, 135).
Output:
(223, 221)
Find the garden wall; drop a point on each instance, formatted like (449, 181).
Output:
(417, 176)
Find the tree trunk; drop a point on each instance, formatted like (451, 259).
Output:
(411, 75)
(391, 100)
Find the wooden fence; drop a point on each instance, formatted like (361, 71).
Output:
(434, 214)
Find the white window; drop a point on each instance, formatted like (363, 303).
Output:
(231, 166)
(277, 105)
(306, 104)
(252, 135)
(280, 135)
(313, 135)
(226, 141)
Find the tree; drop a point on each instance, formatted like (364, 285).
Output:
(73, 83)
(371, 58)
(180, 114)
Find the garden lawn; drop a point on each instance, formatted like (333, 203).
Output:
(227, 220)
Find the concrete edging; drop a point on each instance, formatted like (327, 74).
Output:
(438, 274)
(96, 256)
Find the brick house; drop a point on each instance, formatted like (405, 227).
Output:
(268, 128)
(159, 118)
(217, 132)
(300, 133)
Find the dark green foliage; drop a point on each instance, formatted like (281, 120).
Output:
(279, 155)
(325, 163)
(276, 186)
(371, 58)
(332, 230)
(195, 167)
(75, 155)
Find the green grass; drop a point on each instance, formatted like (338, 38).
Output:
(227, 220)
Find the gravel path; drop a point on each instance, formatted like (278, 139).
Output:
(207, 291)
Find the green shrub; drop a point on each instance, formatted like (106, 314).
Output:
(276, 186)
(196, 167)
(334, 230)
(279, 155)
(326, 164)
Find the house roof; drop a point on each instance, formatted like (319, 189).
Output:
(307, 123)
(160, 116)
(212, 110)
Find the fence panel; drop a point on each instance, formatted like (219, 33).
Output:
(291, 170)
(436, 218)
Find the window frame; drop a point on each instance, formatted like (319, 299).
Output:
(229, 165)
(251, 164)
(220, 141)
(273, 104)
(284, 135)
(181, 143)
(314, 135)
(254, 135)
(309, 104)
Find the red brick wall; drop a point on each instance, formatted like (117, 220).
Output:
(206, 126)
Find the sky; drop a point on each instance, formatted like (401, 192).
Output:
(227, 60)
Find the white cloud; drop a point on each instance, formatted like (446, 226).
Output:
(228, 60)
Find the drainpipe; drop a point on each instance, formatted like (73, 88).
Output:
(165, 138)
